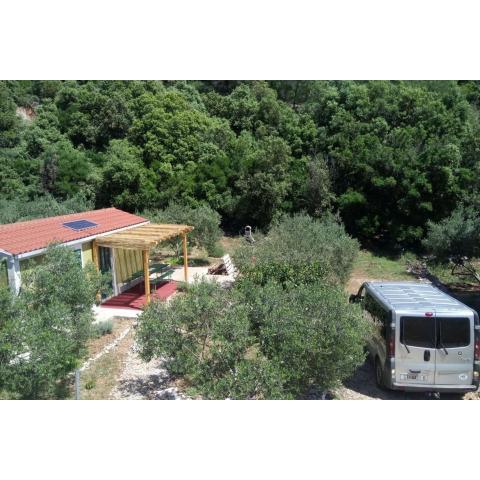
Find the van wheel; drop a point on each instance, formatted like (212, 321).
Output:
(379, 374)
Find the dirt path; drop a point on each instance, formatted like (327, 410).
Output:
(141, 380)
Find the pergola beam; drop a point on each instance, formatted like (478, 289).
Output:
(127, 244)
(164, 226)
(145, 236)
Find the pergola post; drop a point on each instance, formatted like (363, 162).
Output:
(95, 255)
(146, 274)
(185, 257)
(96, 262)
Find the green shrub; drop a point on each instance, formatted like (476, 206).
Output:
(17, 209)
(196, 331)
(102, 328)
(299, 250)
(44, 330)
(458, 234)
(204, 219)
(269, 342)
(90, 384)
(205, 335)
(192, 262)
(251, 378)
(216, 251)
(285, 326)
(311, 334)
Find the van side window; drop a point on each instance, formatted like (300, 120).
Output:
(376, 313)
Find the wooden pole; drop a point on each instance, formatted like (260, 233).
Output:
(95, 255)
(146, 275)
(185, 258)
(96, 262)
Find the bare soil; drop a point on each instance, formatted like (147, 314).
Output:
(96, 345)
(97, 381)
(102, 377)
(140, 380)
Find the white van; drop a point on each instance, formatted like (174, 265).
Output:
(424, 339)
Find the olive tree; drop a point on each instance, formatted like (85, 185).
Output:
(205, 337)
(311, 334)
(299, 250)
(457, 234)
(45, 328)
(268, 342)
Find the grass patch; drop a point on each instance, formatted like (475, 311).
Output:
(230, 244)
(374, 266)
(96, 343)
(97, 382)
(192, 262)
(102, 328)
(444, 273)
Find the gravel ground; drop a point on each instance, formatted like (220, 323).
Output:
(140, 380)
(362, 386)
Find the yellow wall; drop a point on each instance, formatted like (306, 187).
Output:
(87, 253)
(127, 262)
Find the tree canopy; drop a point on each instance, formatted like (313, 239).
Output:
(387, 156)
(44, 330)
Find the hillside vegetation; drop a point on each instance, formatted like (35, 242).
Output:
(387, 156)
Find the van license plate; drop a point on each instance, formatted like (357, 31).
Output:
(411, 376)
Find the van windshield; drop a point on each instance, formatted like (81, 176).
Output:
(418, 331)
(454, 332)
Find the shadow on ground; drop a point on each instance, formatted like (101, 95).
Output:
(152, 387)
(362, 386)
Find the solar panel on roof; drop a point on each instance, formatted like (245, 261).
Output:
(78, 225)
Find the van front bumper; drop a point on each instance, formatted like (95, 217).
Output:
(408, 387)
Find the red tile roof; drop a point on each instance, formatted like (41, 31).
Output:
(22, 237)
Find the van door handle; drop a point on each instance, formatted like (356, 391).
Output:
(426, 355)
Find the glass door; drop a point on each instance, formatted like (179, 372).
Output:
(105, 261)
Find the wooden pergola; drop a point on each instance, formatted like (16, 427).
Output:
(144, 238)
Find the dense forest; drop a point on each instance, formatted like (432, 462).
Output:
(386, 156)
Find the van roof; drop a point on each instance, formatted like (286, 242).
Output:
(411, 296)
